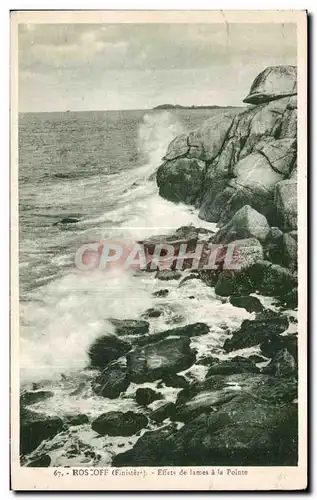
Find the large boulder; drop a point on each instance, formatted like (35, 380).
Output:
(105, 349)
(273, 83)
(181, 180)
(117, 423)
(153, 361)
(246, 223)
(286, 204)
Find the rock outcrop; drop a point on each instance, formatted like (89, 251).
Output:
(232, 162)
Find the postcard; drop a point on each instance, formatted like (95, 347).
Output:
(158, 250)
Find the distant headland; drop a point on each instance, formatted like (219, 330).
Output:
(178, 106)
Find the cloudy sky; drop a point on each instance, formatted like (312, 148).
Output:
(137, 66)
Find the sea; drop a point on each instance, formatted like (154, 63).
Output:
(89, 176)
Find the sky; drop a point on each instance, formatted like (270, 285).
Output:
(138, 66)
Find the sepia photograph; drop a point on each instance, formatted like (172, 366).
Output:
(157, 276)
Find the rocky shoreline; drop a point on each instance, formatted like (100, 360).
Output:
(241, 174)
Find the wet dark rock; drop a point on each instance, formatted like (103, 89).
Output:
(106, 349)
(41, 461)
(266, 325)
(31, 397)
(130, 326)
(153, 312)
(238, 364)
(243, 432)
(76, 419)
(167, 410)
(117, 423)
(161, 293)
(154, 361)
(251, 304)
(282, 365)
(174, 380)
(168, 275)
(112, 381)
(35, 428)
(145, 396)
(272, 345)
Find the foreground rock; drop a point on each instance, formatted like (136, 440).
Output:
(35, 428)
(253, 332)
(154, 361)
(243, 432)
(112, 381)
(106, 349)
(116, 423)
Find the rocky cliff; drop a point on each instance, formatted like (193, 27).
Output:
(248, 160)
